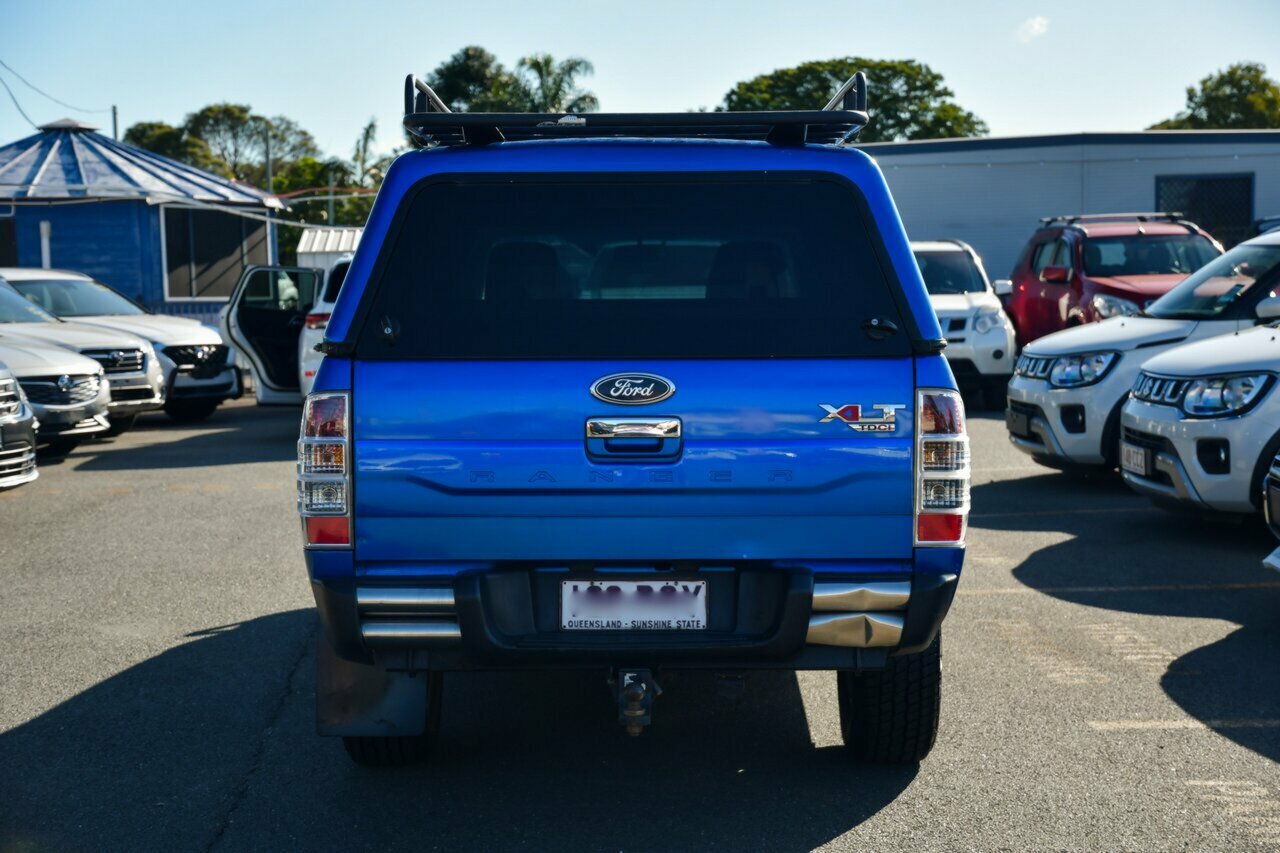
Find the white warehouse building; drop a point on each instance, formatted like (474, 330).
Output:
(992, 192)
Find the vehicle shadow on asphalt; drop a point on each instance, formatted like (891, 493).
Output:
(213, 742)
(1127, 555)
(233, 435)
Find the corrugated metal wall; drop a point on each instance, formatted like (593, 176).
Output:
(994, 197)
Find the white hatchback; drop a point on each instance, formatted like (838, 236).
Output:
(1068, 388)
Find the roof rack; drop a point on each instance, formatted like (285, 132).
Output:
(1082, 218)
(430, 122)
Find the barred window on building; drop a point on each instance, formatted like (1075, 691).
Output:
(1220, 204)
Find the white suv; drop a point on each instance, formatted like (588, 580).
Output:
(980, 338)
(1069, 387)
(316, 321)
(1203, 423)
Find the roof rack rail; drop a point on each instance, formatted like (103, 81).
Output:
(430, 122)
(1111, 217)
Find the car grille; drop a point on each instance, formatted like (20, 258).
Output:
(77, 389)
(1144, 439)
(1159, 389)
(17, 460)
(202, 361)
(9, 400)
(1034, 366)
(956, 324)
(118, 360)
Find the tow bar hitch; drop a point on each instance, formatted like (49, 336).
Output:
(636, 692)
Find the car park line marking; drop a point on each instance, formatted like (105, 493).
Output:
(1044, 654)
(1131, 646)
(1172, 587)
(1181, 725)
(1243, 802)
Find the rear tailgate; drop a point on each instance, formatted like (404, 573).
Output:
(488, 460)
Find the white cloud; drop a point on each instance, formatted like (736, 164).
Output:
(1032, 28)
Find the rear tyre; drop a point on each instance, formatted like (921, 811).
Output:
(890, 716)
(401, 751)
(189, 411)
(120, 424)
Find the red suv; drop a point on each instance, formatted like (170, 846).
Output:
(1080, 269)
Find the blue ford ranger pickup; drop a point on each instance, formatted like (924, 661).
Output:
(632, 393)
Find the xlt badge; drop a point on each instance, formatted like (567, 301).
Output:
(632, 389)
(852, 416)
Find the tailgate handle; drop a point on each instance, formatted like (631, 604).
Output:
(638, 438)
(633, 428)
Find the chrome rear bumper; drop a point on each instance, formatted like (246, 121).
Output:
(420, 616)
(848, 614)
(858, 615)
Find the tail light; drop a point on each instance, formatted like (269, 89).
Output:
(324, 470)
(317, 321)
(942, 469)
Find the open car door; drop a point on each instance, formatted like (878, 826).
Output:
(264, 320)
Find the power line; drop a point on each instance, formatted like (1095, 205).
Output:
(40, 91)
(14, 98)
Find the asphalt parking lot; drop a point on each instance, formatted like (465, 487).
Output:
(1112, 681)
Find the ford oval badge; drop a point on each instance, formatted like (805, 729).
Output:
(632, 389)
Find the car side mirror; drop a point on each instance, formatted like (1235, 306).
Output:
(1056, 275)
(1002, 286)
(1269, 308)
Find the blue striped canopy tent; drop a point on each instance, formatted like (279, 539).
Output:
(163, 232)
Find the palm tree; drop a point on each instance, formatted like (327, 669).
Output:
(551, 87)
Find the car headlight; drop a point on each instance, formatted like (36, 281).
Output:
(1217, 396)
(1074, 371)
(1113, 306)
(986, 319)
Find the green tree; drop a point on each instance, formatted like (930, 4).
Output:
(472, 80)
(368, 166)
(289, 142)
(231, 131)
(174, 143)
(1241, 96)
(908, 99)
(552, 87)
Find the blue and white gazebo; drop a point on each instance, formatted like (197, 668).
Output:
(167, 234)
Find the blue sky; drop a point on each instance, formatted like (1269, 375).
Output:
(1025, 68)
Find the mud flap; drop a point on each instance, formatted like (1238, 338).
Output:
(364, 700)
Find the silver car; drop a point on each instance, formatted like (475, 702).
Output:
(17, 433)
(129, 362)
(68, 392)
(198, 371)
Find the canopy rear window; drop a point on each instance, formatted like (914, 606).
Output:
(613, 267)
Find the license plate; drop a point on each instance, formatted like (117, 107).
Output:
(616, 605)
(1135, 460)
(1018, 423)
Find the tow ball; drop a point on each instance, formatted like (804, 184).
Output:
(636, 692)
